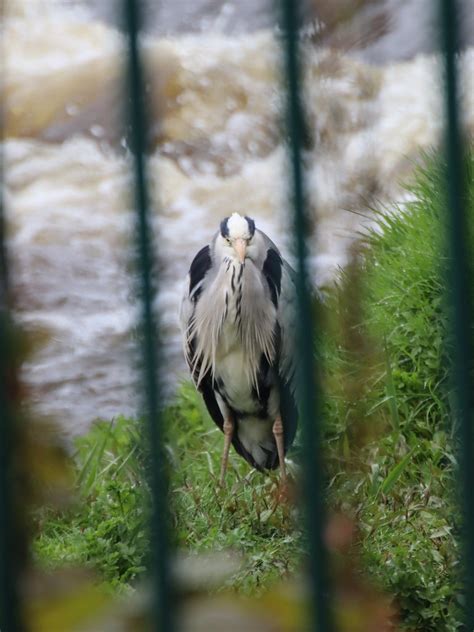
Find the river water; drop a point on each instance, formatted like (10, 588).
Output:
(217, 146)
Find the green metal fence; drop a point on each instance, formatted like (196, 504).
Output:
(9, 563)
(460, 282)
(162, 613)
(309, 403)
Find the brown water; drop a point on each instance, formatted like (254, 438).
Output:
(217, 148)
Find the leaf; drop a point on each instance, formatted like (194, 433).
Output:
(209, 463)
(441, 532)
(394, 474)
(92, 464)
(266, 514)
(346, 450)
(391, 392)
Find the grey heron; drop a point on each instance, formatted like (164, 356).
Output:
(237, 319)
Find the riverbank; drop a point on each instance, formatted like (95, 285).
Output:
(389, 447)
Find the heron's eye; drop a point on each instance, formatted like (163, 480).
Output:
(227, 240)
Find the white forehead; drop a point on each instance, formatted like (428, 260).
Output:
(237, 226)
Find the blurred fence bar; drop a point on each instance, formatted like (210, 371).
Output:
(460, 283)
(161, 615)
(9, 584)
(309, 399)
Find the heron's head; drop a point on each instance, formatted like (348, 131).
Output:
(236, 234)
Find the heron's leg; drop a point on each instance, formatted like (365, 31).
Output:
(278, 434)
(228, 434)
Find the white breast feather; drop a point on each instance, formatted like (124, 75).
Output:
(217, 333)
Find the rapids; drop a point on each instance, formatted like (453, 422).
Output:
(217, 146)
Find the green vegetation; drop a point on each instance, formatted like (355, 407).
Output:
(106, 529)
(392, 455)
(389, 445)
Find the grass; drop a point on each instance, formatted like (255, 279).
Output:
(104, 528)
(389, 417)
(389, 445)
(245, 516)
(106, 531)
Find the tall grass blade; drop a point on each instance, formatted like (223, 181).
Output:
(91, 465)
(391, 393)
(392, 477)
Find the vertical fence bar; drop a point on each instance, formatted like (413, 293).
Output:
(460, 280)
(9, 599)
(309, 393)
(162, 620)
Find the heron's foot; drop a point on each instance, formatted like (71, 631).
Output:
(280, 443)
(228, 434)
(284, 495)
(284, 492)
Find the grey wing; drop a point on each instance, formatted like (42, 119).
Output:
(287, 320)
(186, 310)
(268, 243)
(194, 284)
(281, 279)
(286, 314)
(200, 266)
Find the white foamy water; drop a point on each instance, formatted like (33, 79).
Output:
(218, 147)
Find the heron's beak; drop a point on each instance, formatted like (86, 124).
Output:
(240, 247)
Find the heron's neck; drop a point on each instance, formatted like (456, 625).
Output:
(235, 274)
(250, 317)
(234, 313)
